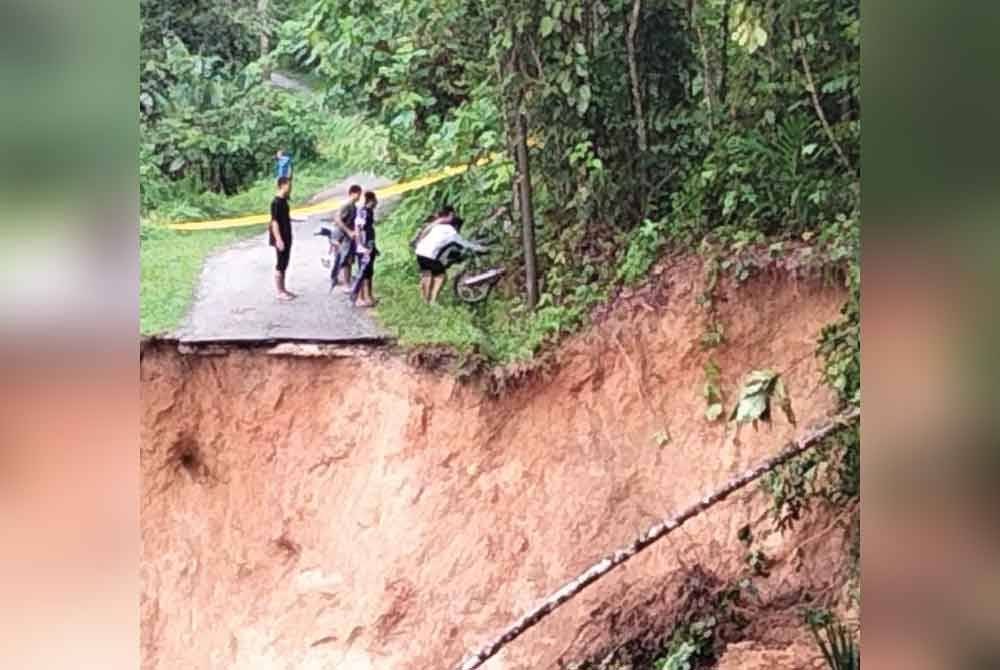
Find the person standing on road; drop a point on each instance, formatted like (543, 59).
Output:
(344, 219)
(361, 291)
(280, 234)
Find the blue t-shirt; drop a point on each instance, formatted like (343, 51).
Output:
(283, 167)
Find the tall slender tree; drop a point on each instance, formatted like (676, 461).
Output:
(265, 38)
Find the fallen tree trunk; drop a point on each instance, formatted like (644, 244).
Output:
(660, 530)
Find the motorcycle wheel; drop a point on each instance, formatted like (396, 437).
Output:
(471, 293)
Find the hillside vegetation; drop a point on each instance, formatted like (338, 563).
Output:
(653, 125)
(639, 129)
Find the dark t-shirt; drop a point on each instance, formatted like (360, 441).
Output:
(281, 214)
(347, 214)
(370, 225)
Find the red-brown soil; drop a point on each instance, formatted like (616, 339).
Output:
(358, 513)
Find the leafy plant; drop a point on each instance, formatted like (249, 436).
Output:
(680, 656)
(760, 389)
(688, 645)
(642, 251)
(759, 562)
(210, 125)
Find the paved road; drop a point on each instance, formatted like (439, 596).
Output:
(235, 299)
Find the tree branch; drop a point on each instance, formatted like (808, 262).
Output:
(658, 531)
(811, 87)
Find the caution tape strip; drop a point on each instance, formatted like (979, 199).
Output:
(386, 191)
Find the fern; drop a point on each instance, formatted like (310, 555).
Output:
(838, 646)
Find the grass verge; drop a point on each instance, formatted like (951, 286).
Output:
(501, 330)
(171, 260)
(170, 263)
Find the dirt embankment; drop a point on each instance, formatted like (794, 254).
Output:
(356, 513)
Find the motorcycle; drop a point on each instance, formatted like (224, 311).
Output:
(477, 277)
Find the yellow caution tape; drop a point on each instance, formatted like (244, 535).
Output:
(386, 191)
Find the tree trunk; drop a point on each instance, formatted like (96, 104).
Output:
(724, 48)
(707, 76)
(633, 69)
(658, 531)
(505, 67)
(527, 213)
(265, 39)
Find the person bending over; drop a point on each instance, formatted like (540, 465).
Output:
(440, 235)
(445, 215)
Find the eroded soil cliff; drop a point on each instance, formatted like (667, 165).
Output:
(360, 514)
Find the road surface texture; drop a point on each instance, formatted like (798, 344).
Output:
(235, 300)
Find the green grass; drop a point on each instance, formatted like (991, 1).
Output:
(192, 206)
(501, 329)
(170, 263)
(171, 260)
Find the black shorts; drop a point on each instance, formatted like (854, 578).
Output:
(435, 267)
(283, 258)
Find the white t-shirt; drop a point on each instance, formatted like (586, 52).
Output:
(439, 237)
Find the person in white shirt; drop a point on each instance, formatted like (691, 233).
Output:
(430, 249)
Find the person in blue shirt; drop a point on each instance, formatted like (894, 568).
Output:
(283, 166)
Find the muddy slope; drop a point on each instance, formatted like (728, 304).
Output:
(356, 513)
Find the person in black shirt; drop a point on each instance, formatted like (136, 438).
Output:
(345, 222)
(280, 230)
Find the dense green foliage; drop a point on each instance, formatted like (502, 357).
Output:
(701, 120)
(729, 132)
(724, 126)
(653, 123)
(208, 120)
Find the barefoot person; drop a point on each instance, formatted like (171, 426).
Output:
(441, 235)
(361, 291)
(280, 230)
(344, 219)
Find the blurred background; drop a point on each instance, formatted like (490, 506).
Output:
(930, 555)
(69, 311)
(69, 299)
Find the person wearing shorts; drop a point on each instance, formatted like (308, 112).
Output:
(280, 235)
(344, 220)
(441, 235)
